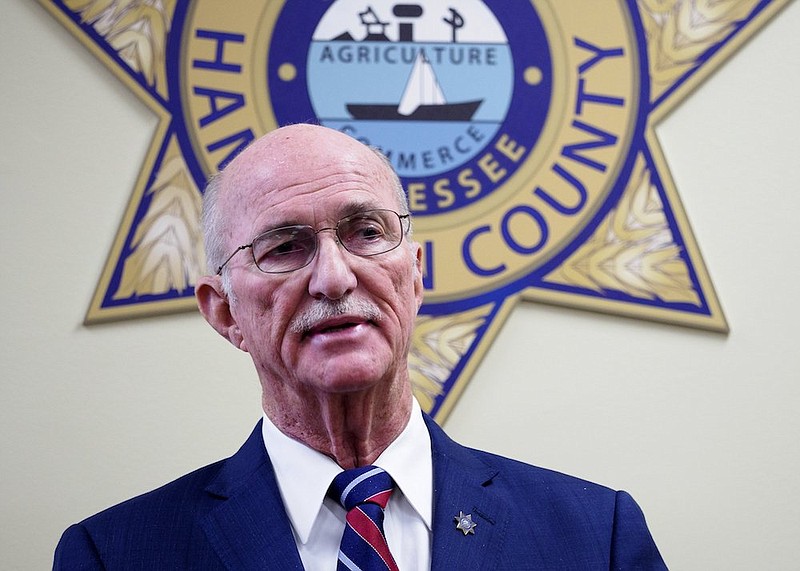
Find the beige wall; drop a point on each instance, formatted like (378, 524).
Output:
(701, 428)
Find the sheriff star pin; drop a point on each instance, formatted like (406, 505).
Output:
(464, 523)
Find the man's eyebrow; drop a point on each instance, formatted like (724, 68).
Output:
(355, 207)
(283, 223)
(347, 209)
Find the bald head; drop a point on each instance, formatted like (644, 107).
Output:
(280, 161)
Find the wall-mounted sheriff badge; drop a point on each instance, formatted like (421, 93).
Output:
(524, 134)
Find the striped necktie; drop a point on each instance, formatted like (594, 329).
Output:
(364, 493)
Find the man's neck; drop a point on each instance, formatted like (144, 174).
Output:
(353, 429)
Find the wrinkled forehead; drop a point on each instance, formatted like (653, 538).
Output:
(315, 174)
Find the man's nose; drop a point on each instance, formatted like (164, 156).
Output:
(331, 274)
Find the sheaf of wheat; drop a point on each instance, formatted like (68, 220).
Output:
(632, 251)
(437, 346)
(679, 32)
(136, 29)
(167, 246)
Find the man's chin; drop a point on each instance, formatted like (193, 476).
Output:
(346, 374)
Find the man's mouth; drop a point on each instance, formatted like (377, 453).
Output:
(337, 324)
(335, 316)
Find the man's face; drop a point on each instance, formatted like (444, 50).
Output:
(318, 183)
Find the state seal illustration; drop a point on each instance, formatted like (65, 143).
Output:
(523, 133)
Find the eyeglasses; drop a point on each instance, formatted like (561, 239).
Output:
(290, 248)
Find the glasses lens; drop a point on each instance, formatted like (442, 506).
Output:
(284, 249)
(371, 232)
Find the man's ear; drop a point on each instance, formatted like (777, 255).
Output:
(216, 308)
(419, 290)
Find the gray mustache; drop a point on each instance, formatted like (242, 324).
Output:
(323, 309)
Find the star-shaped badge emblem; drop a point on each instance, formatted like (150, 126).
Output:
(464, 523)
(593, 219)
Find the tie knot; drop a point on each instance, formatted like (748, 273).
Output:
(366, 484)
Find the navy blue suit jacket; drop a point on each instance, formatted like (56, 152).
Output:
(229, 515)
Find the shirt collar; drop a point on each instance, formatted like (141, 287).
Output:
(408, 459)
(304, 474)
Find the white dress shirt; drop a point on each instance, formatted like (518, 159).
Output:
(317, 521)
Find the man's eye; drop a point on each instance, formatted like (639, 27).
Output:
(369, 231)
(284, 249)
(365, 229)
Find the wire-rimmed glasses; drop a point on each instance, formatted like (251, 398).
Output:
(289, 248)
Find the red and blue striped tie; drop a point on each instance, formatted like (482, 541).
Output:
(364, 493)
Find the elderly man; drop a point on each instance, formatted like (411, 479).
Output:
(317, 279)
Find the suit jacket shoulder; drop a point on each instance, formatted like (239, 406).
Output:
(530, 517)
(228, 515)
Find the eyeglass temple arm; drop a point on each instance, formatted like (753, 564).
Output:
(407, 218)
(229, 258)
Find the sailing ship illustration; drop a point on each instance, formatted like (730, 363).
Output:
(422, 100)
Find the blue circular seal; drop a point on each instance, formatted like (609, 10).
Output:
(430, 85)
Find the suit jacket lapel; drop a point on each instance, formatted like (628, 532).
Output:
(250, 528)
(461, 483)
